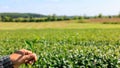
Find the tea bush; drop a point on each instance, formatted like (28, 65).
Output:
(65, 48)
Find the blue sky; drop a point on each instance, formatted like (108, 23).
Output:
(62, 7)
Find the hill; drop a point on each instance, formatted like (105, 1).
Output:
(23, 15)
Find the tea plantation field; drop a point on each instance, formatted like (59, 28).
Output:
(65, 48)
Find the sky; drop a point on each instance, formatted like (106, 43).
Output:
(62, 7)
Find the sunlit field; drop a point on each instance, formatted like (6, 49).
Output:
(54, 25)
(63, 44)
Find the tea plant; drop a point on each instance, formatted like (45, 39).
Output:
(66, 48)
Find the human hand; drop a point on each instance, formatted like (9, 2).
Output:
(22, 56)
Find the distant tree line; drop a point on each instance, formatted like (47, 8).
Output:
(32, 19)
(22, 15)
(28, 17)
(107, 16)
(14, 17)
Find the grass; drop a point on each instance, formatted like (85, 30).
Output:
(56, 25)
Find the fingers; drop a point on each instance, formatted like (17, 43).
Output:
(30, 58)
(27, 56)
(26, 52)
(30, 62)
(35, 57)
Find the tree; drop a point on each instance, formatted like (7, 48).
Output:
(2, 18)
(109, 16)
(49, 18)
(30, 19)
(64, 17)
(54, 17)
(76, 17)
(100, 15)
(80, 17)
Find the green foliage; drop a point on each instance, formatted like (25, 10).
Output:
(29, 45)
(100, 15)
(111, 22)
(29, 17)
(68, 48)
(22, 15)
